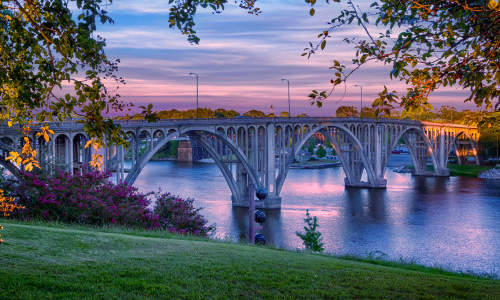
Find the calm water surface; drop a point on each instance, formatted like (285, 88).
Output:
(447, 222)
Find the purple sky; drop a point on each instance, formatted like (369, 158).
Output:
(241, 59)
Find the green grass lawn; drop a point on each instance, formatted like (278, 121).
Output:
(466, 170)
(60, 261)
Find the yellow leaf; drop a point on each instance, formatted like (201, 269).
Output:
(492, 4)
(28, 167)
(88, 143)
(9, 123)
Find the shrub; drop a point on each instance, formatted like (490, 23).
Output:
(87, 198)
(180, 216)
(312, 237)
(7, 206)
(321, 152)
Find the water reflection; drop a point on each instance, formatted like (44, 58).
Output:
(363, 204)
(452, 222)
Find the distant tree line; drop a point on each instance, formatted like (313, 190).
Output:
(207, 113)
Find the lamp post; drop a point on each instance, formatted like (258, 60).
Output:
(361, 110)
(289, 110)
(197, 77)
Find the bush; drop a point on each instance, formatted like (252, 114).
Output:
(87, 198)
(321, 152)
(180, 216)
(90, 198)
(311, 237)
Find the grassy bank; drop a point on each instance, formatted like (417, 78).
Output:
(47, 260)
(466, 170)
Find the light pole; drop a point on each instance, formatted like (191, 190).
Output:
(289, 110)
(197, 77)
(361, 111)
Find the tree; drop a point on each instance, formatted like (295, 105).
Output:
(450, 114)
(222, 113)
(255, 114)
(321, 152)
(43, 46)
(347, 111)
(311, 237)
(368, 112)
(439, 43)
(284, 114)
(46, 44)
(310, 147)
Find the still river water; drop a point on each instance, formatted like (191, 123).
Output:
(446, 222)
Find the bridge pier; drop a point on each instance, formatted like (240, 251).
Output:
(271, 202)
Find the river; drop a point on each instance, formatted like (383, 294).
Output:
(452, 222)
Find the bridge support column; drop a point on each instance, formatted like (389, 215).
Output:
(442, 155)
(69, 154)
(380, 181)
(272, 200)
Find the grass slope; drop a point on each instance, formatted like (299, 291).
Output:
(54, 261)
(466, 170)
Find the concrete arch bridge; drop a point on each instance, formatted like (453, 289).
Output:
(259, 151)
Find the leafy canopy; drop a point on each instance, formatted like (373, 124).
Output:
(429, 44)
(53, 66)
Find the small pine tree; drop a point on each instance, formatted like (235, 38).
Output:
(312, 237)
(310, 147)
(321, 152)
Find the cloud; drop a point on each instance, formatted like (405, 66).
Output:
(241, 57)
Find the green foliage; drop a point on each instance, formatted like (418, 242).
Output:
(255, 114)
(321, 152)
(368, 112)
(311, 237)
(182, 13)
(169, 150)
(430, 44)
(384, 103)
(222, 113)
(48, 44)
(310, 147)
(347, 111)
(45, 44)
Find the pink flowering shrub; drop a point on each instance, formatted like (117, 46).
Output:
(87, 198)
(179, 215)
(90, 198)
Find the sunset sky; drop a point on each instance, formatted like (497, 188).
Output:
(241, 59)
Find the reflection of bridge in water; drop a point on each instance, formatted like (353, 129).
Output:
(259, 151)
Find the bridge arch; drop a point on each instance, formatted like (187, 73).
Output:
(472, 144)
(227, 138)
(418, 153)
(352, 176)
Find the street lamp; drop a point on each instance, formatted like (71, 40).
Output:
(197, 77)
(361, 111)
(288, 81)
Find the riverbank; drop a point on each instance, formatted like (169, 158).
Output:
(467, 170)
(42, 260)
(316, 164)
